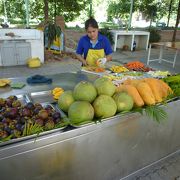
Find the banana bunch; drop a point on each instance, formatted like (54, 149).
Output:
(56, 92)
(118, 69)
(4, 82)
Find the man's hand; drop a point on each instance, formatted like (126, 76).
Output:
(101, 62)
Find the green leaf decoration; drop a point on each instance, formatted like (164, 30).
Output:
(156, 112)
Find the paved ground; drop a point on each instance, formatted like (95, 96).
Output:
(168, 169)
(68, 64)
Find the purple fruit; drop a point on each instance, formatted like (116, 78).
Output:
(16, 103)
(56, 115)
(43, 114)
(7, 129)
(13, 98)
(57, 120)
(26, 112)
(18, 126)
(39, 121)
(30, 105)
(9, 102)
(13, 113)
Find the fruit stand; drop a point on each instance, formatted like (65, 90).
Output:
(111, 149)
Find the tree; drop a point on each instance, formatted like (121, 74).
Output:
(169, 11)
(118, 10)
(46, 10)
(177, 22)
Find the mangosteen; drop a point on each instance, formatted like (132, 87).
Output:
(3, 134)
(43, 114)
(13, 98)
(13, 113)
(56, 115)
(39, 121)
(7, 129)
(16, 103)
(30, 105)
(18, 126)
(38, 105)
(26, 112)
(9, 102)
(57, 120)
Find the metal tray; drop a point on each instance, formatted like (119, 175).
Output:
(25, 99)
(41, 97)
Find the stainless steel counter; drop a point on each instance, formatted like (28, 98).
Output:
(65, 80)
(109, 150)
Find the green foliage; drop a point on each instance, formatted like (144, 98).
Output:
(118, 10)
(108, 34)
(67, 8)
(155, 112)
(52, 31)
(154, 35)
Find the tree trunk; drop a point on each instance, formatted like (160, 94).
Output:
(177, 22)
(46, 9)
(169, 12)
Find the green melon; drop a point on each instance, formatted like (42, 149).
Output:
(104, 86)
(65, 100)
(80, 111)
(84, 91)
(104, 106)
(124, 101)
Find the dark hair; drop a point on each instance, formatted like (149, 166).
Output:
(91, 22)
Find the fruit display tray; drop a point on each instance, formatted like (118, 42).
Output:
(45, 99)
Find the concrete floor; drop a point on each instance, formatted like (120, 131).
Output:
(168, 169)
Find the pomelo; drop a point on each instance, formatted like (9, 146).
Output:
(80, 111)
(104, 86)
(104, 106)
(124, 101)
(84, 91)
(65, 100)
